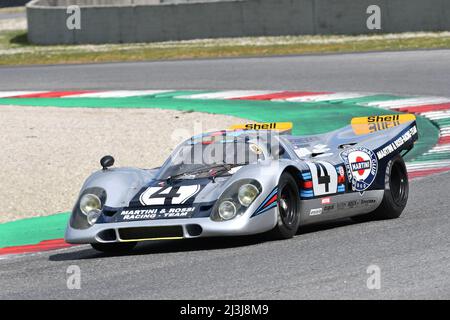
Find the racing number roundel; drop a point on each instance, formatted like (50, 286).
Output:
(362, 166)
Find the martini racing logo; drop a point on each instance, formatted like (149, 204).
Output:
(157, 213)
(362, 166)
(397, 143)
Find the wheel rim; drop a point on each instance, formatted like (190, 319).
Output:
(287, 207)
(399, 184)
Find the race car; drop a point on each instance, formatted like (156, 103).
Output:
(249, 179)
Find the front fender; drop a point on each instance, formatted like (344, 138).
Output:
(120, 184)
(267, 173)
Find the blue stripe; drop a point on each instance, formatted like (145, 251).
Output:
(341, 188)
(275, 190)
(306, 195)
(272, 205)
(306, 176)
(272, 193)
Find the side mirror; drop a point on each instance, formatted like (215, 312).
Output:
(106, 162)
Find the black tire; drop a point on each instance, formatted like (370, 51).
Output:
(395, 193)
(288, 218)
(114, 248)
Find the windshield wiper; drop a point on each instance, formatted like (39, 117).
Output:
(224, 167)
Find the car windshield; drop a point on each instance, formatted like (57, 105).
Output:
(206, 154)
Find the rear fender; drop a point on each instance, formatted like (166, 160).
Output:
(398, 145)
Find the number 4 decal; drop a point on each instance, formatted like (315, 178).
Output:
(324, 177)
(158, 196)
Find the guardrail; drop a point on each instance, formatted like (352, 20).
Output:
(125, 21)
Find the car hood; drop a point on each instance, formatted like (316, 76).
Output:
(179, 192)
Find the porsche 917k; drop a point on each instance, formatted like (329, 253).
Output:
(249, 179)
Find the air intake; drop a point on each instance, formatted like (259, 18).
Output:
(151, 233)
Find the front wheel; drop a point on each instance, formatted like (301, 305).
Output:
(396, 193)
(114, 248)
(288, 218)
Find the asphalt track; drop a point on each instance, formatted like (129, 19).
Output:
(12, 15)
(409, 72)
(325, 261)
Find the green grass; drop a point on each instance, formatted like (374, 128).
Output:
(19, 9)
(15, 49)
(33, 230)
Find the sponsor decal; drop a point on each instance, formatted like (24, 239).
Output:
(326, 200)
(367, 202)
(255, 149)
(352, 204)
(395, 117)
(328, 208)
(282, 126)
(341, 171)
(302, 141)
(397, 143)
(306, 151)
(315, 212)
(356, 204)
(341, 177)
(362, 166)
(156, 213)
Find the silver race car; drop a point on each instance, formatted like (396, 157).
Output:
(249, 179)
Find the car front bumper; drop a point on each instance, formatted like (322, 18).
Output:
(189, 228)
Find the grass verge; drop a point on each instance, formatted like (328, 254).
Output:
(15, 49)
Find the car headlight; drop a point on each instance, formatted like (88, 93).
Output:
(93, 215)
(247, 193)
(88, 208)
(227, 210)
(90, 202)
(236, 199)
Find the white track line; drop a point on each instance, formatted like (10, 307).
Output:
(435, 151)
(436, 115)
(410, 102)
(6, 94)
(117, 94)
(325, 97)
(444, 146)
(445, 130)
(233, 94)
(414, 166)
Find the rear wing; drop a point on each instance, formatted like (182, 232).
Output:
(400, 129)
(372, 124)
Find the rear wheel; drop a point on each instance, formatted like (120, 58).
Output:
(395, 193)
(288, 218)
(114, 248)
